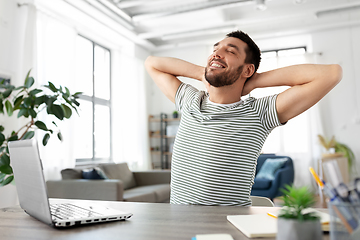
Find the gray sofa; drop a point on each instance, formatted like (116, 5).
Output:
(120, 184)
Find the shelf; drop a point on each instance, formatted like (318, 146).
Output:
(153, 119)
(159, 152)
(158, 136)
(158, 126)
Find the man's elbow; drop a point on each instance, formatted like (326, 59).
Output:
(337, 73)
(149, 62)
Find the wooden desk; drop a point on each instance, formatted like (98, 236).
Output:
(151, 221)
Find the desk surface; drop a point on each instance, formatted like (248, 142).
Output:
(150, 221)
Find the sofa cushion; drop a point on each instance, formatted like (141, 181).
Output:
(261, 183)
(270, 166)
(119, 171)
(93, 173)
(150, 193)
(71, 173)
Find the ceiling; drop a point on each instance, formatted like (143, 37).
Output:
(162, 24)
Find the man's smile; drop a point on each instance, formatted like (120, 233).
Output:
(217, 65)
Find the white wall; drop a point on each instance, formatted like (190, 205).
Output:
(10, 22)
(11, 62)
(157, 102)
(340, 109)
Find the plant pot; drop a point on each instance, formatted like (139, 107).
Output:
(175, 115)
(296, 230)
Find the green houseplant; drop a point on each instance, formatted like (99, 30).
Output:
(293, 221)
(27, 103)
(339, 148)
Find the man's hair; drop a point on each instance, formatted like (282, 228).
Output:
(253, 54)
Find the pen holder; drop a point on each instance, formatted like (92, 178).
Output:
(344, 221)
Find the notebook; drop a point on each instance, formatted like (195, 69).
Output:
(254, 226)
(33, 198)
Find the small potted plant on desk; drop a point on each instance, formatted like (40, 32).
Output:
(295, 223)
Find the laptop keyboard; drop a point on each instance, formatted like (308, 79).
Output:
(69, 211)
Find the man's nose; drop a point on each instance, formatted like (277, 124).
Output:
(217, 53)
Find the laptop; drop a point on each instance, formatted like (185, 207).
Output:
(33, 198)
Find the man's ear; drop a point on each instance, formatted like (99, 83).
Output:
(248, 70)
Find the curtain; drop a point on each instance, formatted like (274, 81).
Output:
(20, 42)
(130, 123)
(129, 112)
(56, 61)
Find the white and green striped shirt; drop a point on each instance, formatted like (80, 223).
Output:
(216, 147)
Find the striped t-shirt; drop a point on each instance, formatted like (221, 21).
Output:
(216, 147)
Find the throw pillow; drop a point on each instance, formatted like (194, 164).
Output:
(270, 166)
(119, 171)
(71, 173)
(93, 173)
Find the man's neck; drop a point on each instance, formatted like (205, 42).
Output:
(227, 94)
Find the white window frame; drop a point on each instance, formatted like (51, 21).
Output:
(97, 101)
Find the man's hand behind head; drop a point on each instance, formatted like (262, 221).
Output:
(249, 84)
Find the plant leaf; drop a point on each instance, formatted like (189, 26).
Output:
(2, 138)
(40, 100)
(76, 94)
(18, 88)
(35, 91)
(52, 87)
(41, 125)
(27, 75)
(17, 102)
(60, 137)
(45, 139)
(27, 102)
(67, 92)
(4, 160)
(7, 180)
(32, 113)
(29, 82)
(67, 111)
(1, 107)
(7, 93)
(7, 169)
(22, 112)
(323, 142)
(2, 176)
(29, 135)
(13, 138)
(2, 128)
(9, 108)
(57, 111)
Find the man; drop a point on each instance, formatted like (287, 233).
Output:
(220, 136)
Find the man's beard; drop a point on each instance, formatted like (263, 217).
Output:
(223, 79)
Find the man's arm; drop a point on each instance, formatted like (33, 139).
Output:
(309, 83)
(164, 71)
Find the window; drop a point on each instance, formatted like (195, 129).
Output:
(294, 136)
(93, 127)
